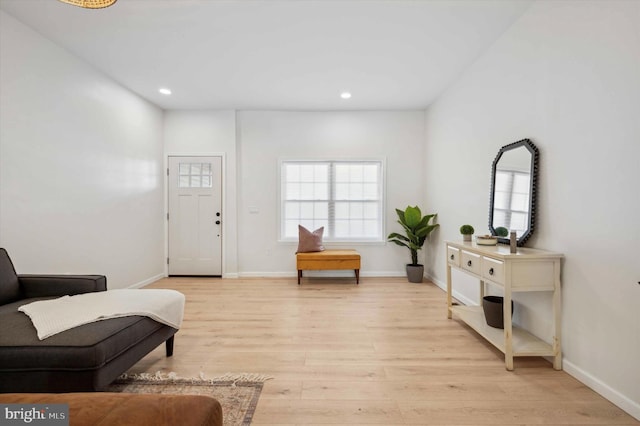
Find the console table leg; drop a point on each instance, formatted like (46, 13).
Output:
(508, 330)
(557, 306)
(299, 275)
(357, 276)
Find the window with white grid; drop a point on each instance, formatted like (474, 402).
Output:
(346, 197)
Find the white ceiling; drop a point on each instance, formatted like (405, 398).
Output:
(276, 54)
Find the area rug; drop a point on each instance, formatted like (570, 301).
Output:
(237, 393)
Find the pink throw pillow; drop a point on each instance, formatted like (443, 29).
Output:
(309, 241)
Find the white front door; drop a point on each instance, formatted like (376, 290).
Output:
(195, 215)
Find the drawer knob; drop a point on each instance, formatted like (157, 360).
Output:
(469, 263)
(451, 257)
(491, 271)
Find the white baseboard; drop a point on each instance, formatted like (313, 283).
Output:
(622, 401)
(230, 275)
(385, 274)
(147, 281)
(456, 294)
(340, 274)
(267, 274)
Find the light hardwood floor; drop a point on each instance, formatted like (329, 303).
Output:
(382, 352)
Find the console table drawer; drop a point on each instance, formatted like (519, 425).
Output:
(470, 262)
(493, 270)
(453, 256)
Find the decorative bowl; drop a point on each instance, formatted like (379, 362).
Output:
(486, 240)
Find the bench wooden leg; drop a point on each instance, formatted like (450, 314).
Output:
(299, 275)
(169, 345)
(357, 276)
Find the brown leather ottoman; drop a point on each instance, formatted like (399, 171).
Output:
(126, 409)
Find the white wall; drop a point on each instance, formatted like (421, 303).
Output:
(80, 166)
(566, 75)
(210, 133)
(266, 137)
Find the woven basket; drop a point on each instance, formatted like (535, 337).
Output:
(90, 4)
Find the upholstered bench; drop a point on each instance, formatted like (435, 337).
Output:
(329, 260)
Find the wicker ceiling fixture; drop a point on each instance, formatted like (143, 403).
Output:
(90, 4)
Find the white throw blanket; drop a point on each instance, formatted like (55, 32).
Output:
(51, 317)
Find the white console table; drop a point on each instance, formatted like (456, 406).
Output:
(527, 270)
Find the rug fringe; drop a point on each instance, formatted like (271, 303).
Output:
(171, 376)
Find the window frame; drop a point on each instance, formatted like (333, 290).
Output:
(328, 239)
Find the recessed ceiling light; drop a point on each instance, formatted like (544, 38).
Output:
(345, 95)
(164, 91)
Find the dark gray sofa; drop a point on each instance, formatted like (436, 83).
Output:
(85, 358)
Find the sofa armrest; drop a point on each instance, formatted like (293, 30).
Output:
(60, 285)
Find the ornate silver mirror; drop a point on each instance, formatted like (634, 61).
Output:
(513, 191)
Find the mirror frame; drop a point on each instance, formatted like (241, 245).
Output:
(533, 184)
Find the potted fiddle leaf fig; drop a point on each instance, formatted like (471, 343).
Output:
(416, 230)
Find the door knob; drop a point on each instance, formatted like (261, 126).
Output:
(218, 214)
(217, 222)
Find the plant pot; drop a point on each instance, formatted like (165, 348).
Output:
(493, 307)
(466, 237)
(415, 273)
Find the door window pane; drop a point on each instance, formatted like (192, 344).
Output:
(195, 175)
